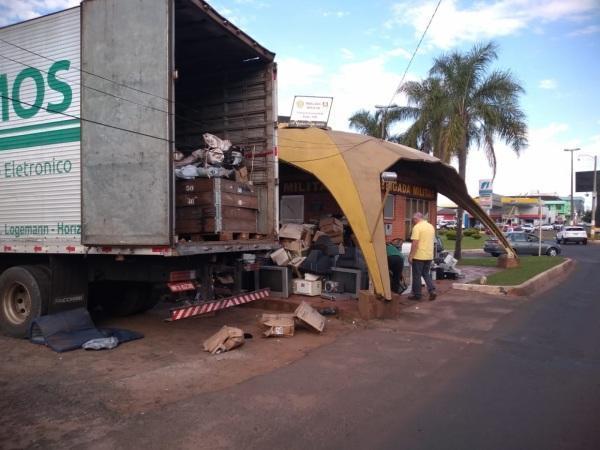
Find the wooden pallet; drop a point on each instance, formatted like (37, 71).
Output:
(222, 236)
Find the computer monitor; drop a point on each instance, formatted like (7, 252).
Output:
(351, 279)
(277, 278)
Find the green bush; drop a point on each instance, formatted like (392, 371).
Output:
(442, 231)
(476, 236)
(451, 235)
(470, 231)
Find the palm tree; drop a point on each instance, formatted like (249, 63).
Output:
(426, 106)
(472, 108)
(372, 124)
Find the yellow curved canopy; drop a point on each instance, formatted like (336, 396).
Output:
(350, 165)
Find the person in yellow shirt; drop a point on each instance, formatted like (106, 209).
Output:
(421, 256)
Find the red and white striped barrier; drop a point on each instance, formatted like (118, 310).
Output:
(204, 308)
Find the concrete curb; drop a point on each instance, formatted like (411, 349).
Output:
(540, 282)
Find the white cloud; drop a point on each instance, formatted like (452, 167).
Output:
(347, 54)
(454, 23)
(399, 51)
(542, 166)
(590, 29)
(548, 84)
(12, 11)
(338, 14)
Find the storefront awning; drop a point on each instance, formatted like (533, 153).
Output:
(350, 167)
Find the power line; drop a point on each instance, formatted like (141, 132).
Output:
(87, 120)
(409, 64)
(87, 72)
(79, 69)
(111, 94)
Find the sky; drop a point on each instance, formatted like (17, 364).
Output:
(356, 51)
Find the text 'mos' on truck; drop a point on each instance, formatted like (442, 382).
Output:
(94, 102)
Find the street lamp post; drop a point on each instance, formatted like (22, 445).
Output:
(383, 117)
(572, 150)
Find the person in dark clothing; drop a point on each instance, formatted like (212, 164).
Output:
(395, 264)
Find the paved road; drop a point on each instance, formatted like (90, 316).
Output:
(463, 372)
(454, 374)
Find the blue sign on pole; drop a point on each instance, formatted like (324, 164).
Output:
(485, 187)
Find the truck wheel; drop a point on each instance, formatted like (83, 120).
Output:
(125, 299)
(24, 293)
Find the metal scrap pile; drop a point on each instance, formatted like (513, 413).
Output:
(219, 159)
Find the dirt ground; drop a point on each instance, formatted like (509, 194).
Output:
(136, 378)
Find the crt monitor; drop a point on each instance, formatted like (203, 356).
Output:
(278, 279)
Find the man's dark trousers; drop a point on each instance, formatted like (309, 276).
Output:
(395, 263)
(421, 268)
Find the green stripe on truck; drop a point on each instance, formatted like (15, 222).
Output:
(43, 138)
(40, 126)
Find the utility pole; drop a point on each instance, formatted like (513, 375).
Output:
(540, 223)
(572, 150)
(594, 200)
(594, 192)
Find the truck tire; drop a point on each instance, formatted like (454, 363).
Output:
(24, 294)
(125, 299)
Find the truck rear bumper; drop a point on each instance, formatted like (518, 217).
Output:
(198, 309)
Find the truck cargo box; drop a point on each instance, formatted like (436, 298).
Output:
(125, 84)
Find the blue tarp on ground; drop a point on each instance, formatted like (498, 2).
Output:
(69, 330)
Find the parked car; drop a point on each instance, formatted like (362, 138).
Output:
(527, 227)
(523, 243)
(557, 226)
(547, 227)
(570, 233)
(450, 224)
(511, 228)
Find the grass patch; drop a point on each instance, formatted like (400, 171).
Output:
(468, 243)
(481, 262)
(530, 267)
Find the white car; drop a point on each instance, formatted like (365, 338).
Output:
(570, 233)
(547, 227)
(527, 227)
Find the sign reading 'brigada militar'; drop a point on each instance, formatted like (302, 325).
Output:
(410, 190)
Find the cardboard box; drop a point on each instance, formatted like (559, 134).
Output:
(308, 315)
(317, 235)
(307, 238)
(331, 221)
(292, 231)
(280, 257)
(278, 325)
(306, 287)
(311, 277)
(297, 261)
(337, 238)
(331, 226)
(227, 338)
(292, 245)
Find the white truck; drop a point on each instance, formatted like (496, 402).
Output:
(94, 102)
(571, 233)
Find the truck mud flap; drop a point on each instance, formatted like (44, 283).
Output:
(216, 305)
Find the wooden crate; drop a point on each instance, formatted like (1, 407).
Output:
(209, 206)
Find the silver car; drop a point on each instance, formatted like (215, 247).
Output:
(524, 244)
